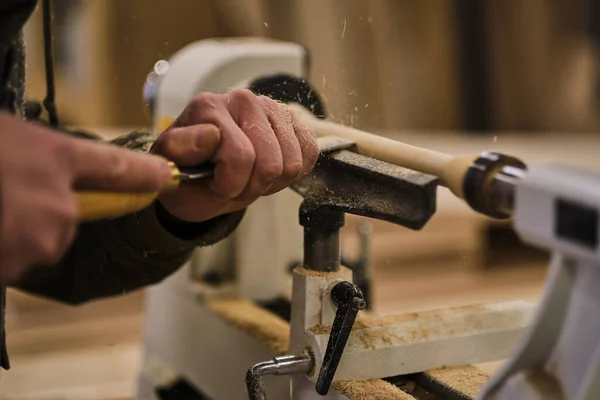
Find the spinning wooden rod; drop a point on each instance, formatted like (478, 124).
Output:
(449, 169)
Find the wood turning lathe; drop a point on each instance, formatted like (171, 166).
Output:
(235, 323)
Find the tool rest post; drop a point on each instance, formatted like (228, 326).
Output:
(321, 237)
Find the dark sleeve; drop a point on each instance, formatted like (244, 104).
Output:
(13, 15)
(120, 255)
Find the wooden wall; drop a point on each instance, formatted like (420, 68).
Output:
(381, 64)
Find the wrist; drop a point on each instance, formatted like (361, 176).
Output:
(175, 226)
(206, 231)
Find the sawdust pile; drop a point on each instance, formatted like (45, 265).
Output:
(361, 336)
(468, 380)
(260, 324)
(372, 389)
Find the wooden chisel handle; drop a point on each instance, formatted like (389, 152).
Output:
(94, 206)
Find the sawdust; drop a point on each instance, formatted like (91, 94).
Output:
(320, 329)
(468, 380)
(368, 338)
(319, 274)
(372, 389)
(372, 331)
(367, 320)
(314, 274)
(365, 329)
(257, 322)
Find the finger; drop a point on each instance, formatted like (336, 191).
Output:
(268, 166)
(234, 160)
(282, 122)
(309, 146)
(99, 166)
(190, 145)
(235, 157)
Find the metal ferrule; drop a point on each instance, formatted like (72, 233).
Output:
(175, 177)
(490, 182)
(501, 190)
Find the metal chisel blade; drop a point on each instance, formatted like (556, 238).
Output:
(196, 173)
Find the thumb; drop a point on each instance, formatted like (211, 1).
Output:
(188, 146)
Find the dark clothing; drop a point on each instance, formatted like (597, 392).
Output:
(109, 257)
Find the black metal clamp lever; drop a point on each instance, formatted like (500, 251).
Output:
(349, 300)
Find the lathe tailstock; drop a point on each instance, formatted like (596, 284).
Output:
(236, 323)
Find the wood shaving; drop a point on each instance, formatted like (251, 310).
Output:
(320, 329)
(468, 380)
(259, 323)
(368, 338)
(367, 320)
(319, 274)
(372, 389)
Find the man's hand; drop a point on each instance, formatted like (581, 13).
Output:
(39, 172)
(256, 143)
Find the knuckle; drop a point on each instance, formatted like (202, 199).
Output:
(269, 103)
(204, 100)
(64, 151)
(115, 169)
(269, 171)
(212, 130)
(292, 169)
(243, 95)
(243, 159)
(205, 107)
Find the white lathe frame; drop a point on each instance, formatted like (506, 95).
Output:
(212, 336)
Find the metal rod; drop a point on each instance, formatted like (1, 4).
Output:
(321, 237)
(322, 250)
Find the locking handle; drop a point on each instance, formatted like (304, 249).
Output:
(349, 300)
(283, 365)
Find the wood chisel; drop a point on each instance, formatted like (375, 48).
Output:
(94, 206)
(100, 205)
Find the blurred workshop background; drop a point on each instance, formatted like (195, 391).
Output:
(456, 75)
(389, 64)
